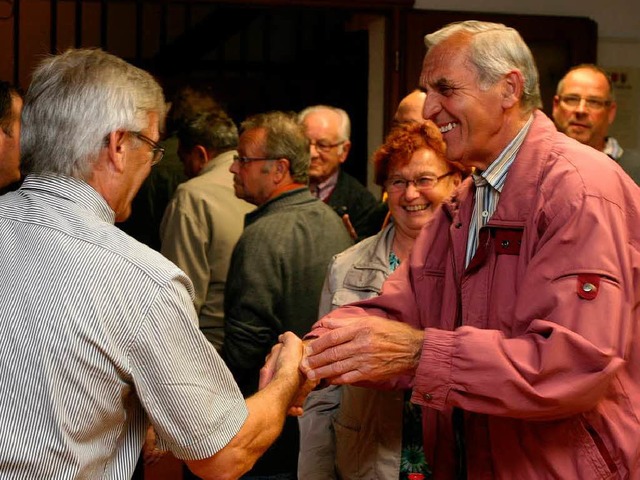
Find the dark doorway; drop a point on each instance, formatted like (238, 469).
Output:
(258, 59)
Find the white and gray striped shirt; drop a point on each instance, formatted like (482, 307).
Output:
(489, 185)
(98, 335)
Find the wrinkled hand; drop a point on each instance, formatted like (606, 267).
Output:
(362, 348)
(349, 226)
(284, 363)
(151, 454)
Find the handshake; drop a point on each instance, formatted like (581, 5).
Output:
(346, 350)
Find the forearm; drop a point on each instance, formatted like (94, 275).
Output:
(267, 413)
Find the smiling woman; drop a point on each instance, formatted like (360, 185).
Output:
(380, 428)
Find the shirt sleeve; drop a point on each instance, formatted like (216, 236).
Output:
(184, 386)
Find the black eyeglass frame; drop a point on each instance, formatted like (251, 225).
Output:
(246, 160)
(156, 149)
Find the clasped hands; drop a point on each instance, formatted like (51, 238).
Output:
(348, 350)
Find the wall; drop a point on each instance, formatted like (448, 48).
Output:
(618, 42)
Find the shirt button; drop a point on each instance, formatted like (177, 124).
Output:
(485, 213)
(505, 244)
(427, 397)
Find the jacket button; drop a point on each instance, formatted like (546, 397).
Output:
(427, 397)
(588, 287)
(505, 244)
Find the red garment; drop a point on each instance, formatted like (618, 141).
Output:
(537, 341)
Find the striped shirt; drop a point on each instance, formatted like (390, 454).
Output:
(98, 335)
(489, 184)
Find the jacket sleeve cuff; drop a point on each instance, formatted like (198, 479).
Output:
(432, 381)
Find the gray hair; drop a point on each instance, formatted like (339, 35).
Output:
(214, 130)
(74, 101)
(285, 138)
(495, 50)
(344, 130)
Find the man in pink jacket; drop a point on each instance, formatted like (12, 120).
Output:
(519, 307)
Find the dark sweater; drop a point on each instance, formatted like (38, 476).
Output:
(274, 284)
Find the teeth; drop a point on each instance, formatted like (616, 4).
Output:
(448, 127)
(416, 208)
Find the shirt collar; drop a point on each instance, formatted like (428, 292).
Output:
(71, 189)
(613, 148)
(496, 173)
(328, 185)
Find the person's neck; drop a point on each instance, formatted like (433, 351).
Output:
(402, 244)
(281, 189)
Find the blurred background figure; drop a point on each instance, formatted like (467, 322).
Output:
(204, 219)
(382, 429)
(10, 110)
(279, 262)
(328, 130)
(410, 108)
(151, 201)
(584, 108)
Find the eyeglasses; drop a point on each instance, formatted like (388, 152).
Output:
(425, 182)
(573, 101)
(325, 146)
(245, 160)
(156, 149)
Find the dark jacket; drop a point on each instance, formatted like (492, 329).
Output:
(365, 212)
(274, 283)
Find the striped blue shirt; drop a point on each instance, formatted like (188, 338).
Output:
(489, 184)
(98, 336)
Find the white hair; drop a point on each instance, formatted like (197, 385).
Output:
(74, 101)
(495, 50)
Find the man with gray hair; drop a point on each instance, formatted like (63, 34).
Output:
(279, 263)
(518, 309)
(204, 219)
(98, 332)
(328, 130)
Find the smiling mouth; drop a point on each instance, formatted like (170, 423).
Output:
(448, 127)
(416, 208)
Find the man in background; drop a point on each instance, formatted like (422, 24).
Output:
(10, 108)
(279, 263)
(410, 108)
(99, 335)
(584, 108)
(204, 219)
(328, 130)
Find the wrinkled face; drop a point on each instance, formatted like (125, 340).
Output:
(10, 146)
(586, 123)
(252, 180)
(328, 148)
(137, 166)
(413, 207)
(470, 118)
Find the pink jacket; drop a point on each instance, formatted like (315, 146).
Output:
(537, 342)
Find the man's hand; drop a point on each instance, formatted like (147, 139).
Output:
(363, 349)
(284, 362)
(151, 454)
